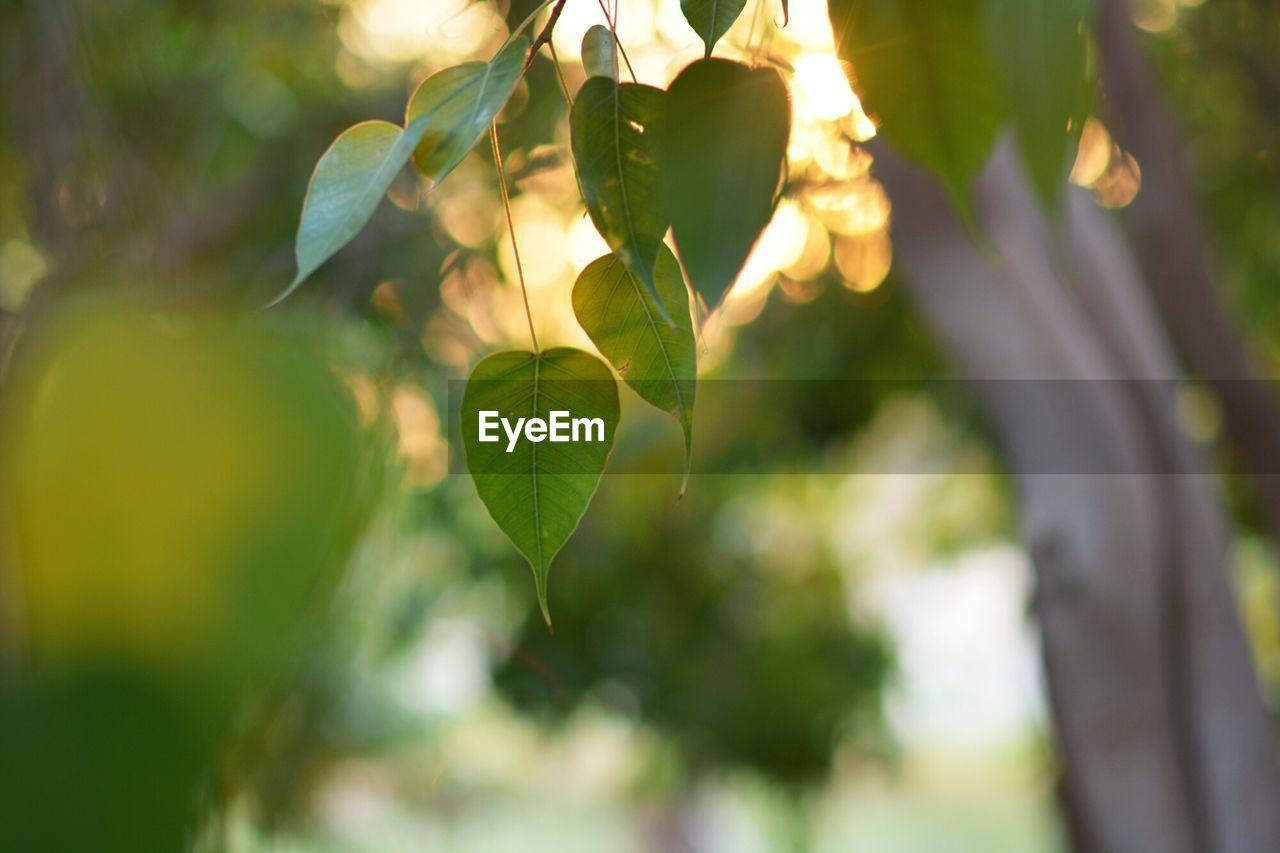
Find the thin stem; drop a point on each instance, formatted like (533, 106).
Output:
(613, 28)
(564, 86)
(524, 25)
(568, 99)
(511, 228)
(544, 37)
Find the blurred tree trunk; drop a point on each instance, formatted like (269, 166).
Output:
(1169, 243)
(1165, 740)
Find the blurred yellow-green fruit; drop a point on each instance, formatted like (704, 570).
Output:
(174, 491)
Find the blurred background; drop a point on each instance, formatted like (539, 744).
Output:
(212, 641)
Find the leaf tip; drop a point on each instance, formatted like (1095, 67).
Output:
(540, 587)
(288, 291)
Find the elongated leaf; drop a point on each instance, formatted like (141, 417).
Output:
(348, 183)
(920, 67)
(711, 19)
(658, 360)
(459, 103)
(616, 134)
(538, 492)
(1040, 49)
(600, 53)
(726, 145)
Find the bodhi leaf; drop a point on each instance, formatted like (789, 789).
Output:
(600, 53)
(1040, 53)
(919, 66)
(539, 490)
(349, 181)
(459, 103)
(616, 131)
(725, 148)
(711, 19)
(658, 360)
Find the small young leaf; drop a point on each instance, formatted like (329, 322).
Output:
(658, 360)
(348, 183)
(459, 103)
(725, 148)
(600, 53)
(616, 132)
(538, 492)
(920, 66)
(1040, 52)
(711, 19)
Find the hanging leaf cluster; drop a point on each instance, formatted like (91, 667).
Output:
(700, 164)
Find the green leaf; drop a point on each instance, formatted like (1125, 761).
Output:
(724, 155)
(920, 66)
(711, 19)
(459, 103)
(658, 360)
(600, 53)
(538, 492)
(1040, 51)
(348, 183)
(445, 117)
(616, 132)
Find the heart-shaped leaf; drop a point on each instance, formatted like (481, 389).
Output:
(711, 19)
(348, 183)
(616, 132)
(1040, 52)
(538, 490)
(459, 103)
(724, 152)
(657, 359)
(919, 66)
(600, 53)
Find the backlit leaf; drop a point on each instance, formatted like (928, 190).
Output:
(657, 359)
(711, 19)
(725, 149)
(1039, 47)
(539, 491)
(348, 183)
(616, 132)
(600, 53)
(459, 103)
(920, 67)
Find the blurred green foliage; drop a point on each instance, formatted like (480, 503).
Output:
(178, 494)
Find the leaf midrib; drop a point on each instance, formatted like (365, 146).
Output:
(475, 110)
(662, 344)
(533, 457)
(379, 173)
(622, 183)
